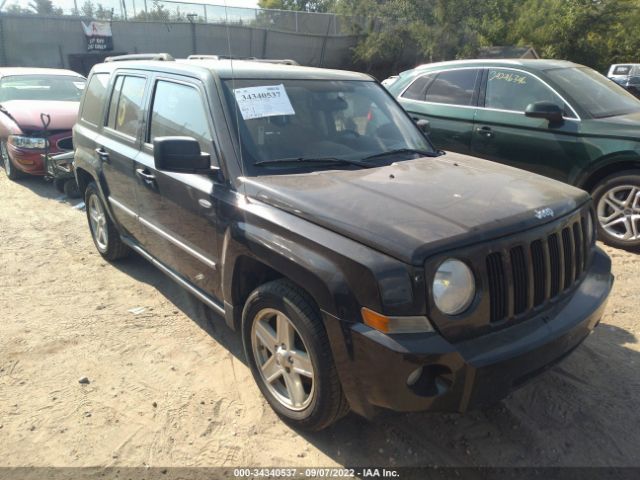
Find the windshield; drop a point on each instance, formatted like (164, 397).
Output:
(294, 124)
(41, 87)
(598, 95)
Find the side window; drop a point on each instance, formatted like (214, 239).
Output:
(514, 90)
(179, 110)
(94, 98)
(125, 107)
(454, 87)
(418, 89)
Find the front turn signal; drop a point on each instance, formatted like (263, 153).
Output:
(387, 324)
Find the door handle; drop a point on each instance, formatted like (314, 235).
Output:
(103, 155)
(147, 177)
(486, 131)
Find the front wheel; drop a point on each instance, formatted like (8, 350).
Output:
(12, 172)
(288, 352)
(105, 236)
(617, 202)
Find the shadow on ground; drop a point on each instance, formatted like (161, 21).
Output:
(578, 414)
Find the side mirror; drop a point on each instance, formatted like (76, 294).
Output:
(180, 154)
(423, 125)
(547, 110)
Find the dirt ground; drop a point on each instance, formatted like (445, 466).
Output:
(168, 389)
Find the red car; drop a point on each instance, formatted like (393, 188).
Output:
(25, 95)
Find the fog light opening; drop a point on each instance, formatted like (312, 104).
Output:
(430, 380)
(414, 376)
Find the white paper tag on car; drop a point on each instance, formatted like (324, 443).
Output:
(260, 102)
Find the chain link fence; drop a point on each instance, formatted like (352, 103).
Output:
(176, 11)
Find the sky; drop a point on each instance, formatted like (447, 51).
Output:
(67, 5)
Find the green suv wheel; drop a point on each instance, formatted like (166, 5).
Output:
(617, 201)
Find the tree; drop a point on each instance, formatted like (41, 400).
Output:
(298, 5)
(87, 9)
(44, 7)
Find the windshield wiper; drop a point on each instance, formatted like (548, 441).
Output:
(398, 151)
(301, 160)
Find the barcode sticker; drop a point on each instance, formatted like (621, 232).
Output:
(260, 102)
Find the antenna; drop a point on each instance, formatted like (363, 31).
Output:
(233, 86)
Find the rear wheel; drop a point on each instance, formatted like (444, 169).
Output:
(290, 358)
(12, 172)
(617, 201)
(105, 236)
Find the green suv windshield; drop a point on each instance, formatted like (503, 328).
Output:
(598, 95)
(313, 124)
(41, 87)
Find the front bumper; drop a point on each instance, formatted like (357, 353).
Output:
(374, 367)
(31, 161)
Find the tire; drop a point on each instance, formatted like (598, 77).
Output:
(320, 400)
(59, 184)
(617, 204)
(10, 169)
(103, 232)
(70, 188)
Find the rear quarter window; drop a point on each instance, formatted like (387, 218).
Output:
(622, 70)
(94, 98)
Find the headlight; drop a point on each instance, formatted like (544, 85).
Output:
(34, 143)
(454, 287)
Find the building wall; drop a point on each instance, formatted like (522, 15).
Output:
(29, 40)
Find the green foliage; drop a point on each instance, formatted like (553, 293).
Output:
(592, 32)
(299, 5)
(44, 7)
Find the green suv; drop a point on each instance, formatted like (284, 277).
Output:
(551, 117)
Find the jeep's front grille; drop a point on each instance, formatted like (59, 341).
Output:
(524, 276)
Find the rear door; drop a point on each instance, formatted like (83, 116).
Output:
(178, 211)
(503, 133)
(447, 99)
(118, 145)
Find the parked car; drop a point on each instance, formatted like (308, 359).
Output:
(363, 269)
(389, 80)
(38, 107)
(627, 76)
(551, 117)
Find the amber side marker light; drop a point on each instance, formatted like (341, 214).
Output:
(386, 324)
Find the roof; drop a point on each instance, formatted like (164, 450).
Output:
(5, 71)
(507, 52)
(533, 64)
(227, 69)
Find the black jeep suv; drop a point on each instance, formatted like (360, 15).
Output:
(364, 268)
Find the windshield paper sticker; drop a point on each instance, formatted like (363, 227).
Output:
(260, 102)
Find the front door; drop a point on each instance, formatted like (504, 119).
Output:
(447, 100)
(178, 211)
(503, 133)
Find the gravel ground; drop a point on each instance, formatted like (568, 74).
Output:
(168, 388)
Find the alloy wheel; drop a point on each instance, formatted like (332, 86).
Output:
(283, 359)
(98, 221)
(619, 212)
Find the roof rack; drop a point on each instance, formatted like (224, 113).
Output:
(284, 61)
(164, 57)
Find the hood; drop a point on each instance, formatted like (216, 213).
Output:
(26, 113)
(413, 209)
(619, 126)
